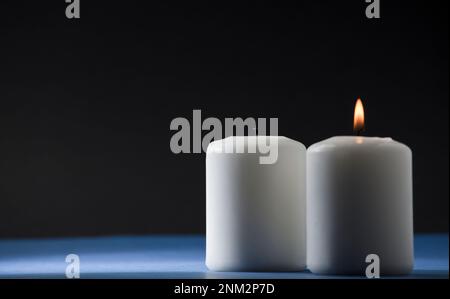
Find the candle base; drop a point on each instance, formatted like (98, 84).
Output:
(246, 267)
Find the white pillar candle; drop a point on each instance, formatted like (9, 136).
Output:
(256, 217)
(359, 199)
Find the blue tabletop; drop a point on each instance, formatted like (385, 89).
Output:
(164, 257)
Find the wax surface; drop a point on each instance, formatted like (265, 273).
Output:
(256, 213)
(359, 203)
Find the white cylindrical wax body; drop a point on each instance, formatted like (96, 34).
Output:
(256, 213)
(359, 199)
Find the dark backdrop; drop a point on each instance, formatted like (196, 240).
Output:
(86, 104)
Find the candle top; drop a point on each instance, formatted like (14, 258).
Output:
(355, 143)
(246, 142)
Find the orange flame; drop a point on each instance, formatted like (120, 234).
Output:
(358, 119)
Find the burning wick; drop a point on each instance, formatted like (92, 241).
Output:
(358, 119)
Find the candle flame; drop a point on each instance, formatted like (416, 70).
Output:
(358, 119)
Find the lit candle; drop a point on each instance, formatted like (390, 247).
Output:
(255, 212)
(359, 199)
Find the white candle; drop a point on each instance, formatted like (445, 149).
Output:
(256, 217)
(359, 199)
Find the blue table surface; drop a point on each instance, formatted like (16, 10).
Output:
(166, 257)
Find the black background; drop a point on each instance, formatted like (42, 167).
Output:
(85, 104)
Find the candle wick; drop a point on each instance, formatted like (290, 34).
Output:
(359, 131)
